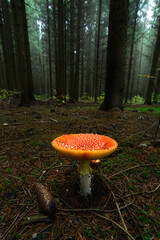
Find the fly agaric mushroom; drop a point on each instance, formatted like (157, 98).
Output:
(85, 147)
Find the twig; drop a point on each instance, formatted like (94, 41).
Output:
(115, 223)
(137, 193)
(129, 211)
(128, 169)
(120, 172)
(119, 211)
(10, 227)
(54, 120)
(45, 218)
(157, 129)
(95, 209)
(22, 140)
(118, 208)
(152, 125)
(37, 218)
(15, 222)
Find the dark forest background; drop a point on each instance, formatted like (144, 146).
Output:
(81, 49)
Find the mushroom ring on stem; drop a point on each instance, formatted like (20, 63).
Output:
(85, 148)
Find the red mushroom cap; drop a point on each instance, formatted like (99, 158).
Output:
(85, 146)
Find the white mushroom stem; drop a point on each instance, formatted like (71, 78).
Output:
(85, 178)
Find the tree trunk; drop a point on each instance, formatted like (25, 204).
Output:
(131, 51)
(157, 89)
(153, 69)
(9, 44)
(55, 43)
(49, 52)
(97, 54)
(23, 53)
(27, 53)
(5, 55)
(76, 95)
(140, 63)
(88, 70)
(116, 55)
(61, 62)
(133, 79)
(82, 66)
(2, 77)
(72, 83)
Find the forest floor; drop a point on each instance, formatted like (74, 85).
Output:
(125, 200)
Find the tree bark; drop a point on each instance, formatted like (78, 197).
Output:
(55, 43)
(72, 83)
(77, 64)
(82, 65)
(131, 51)
(96, 88)
(49, 52)
(27, 53)
(157, 89)
(156, 55)
(5, 55)
(116, 55)
(140, 64)
(8, 38)
(23, 52)
(61, 62)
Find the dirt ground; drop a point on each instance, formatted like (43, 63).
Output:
(125, 199)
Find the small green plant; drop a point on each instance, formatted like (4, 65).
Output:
(88, 232)
(43, 97)
(144, 109)
(138, 100)
(17, 235)
(23, 178)
(132, 187)
(8, 94)
(86, 97)
(101, 233)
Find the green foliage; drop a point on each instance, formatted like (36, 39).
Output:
(144, 109)
(138, 99)
(88, 232)
(17, 235)
(8, 94)
(101, 233)
(157, 98)
(44, 97)
(86, 97)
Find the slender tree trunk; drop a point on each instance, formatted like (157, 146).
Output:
(65, 49)
(140, 64)
(9, 44)
(88, 70)
(49, 52)
(157, 89)
(72, 83)
(131, 50)
(116, 55)
(77, 64)
(133, 79)
(27, 53)
(5, 55)
(97, 53)
(43, 69)
(21, 57)
(2, 77)
(101, 73)
(23, 52)
(153, 69)
(82, 66)
(61, 63)
(55, 44)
